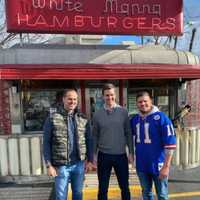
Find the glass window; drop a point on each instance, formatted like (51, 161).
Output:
(163, 104)
(163, 93)
(37, 98)
(36, 105)
(132, 108)
(96, 100)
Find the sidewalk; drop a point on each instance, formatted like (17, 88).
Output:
(41, 188)
(91, 185)
(183, 185)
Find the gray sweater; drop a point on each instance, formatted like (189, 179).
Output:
(111, 131)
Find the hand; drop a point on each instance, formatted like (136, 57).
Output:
(95, 161)
(89, 166)
(51, 171)
(131, 159)
(164, 172)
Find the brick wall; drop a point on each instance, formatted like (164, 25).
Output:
(193, 99)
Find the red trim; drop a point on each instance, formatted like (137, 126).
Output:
(98, 71)
(172, 146)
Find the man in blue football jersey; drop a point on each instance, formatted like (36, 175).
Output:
(155, 142)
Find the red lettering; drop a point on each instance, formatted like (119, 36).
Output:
(98, 21)
(79, 21)
(141, 22)
(127, 23)
(138, 23)
(156, 23)
(40, 20)
(171, 22)
(104, 17)
(112, 22)
(21, 19)
(60, 23)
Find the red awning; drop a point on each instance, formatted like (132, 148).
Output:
(98, 71)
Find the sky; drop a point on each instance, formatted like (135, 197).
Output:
(115, 39)
(191, 20)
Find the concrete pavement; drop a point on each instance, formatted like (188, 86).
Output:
(183, 184)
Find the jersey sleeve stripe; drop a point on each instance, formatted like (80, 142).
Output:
(171, 146)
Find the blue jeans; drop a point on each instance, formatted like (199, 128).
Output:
(70, 173)
(105, 163)
(161, 186)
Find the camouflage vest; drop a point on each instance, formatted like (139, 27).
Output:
(60, 139)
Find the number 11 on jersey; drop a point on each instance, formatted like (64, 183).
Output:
(147, 139)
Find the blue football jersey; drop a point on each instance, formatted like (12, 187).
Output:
(153, 134)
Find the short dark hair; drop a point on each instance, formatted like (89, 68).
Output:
(65, 91)
(107, 86)
(143, 93)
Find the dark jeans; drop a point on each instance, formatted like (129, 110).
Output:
(104, 166)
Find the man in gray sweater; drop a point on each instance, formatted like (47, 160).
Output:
(111, 130)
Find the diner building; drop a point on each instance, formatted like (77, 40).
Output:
(32, 78)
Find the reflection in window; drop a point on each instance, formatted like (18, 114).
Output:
(96, 100)
(163, 104)
(36, 106)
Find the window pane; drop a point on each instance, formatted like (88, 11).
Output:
(36, 106)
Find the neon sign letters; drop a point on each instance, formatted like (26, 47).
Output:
(139, 17)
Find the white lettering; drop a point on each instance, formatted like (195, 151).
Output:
(114, 7)
(38, 3)
(54, 5)
(68, 5)
(109, 7)
(147, 139)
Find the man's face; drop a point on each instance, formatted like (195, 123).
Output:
(70, 100)
(144, 104)
(109, 97)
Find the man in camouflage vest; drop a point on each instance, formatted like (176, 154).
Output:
(67, 146)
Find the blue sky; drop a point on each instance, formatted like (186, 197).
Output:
(114, 39)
